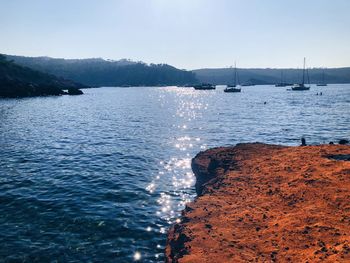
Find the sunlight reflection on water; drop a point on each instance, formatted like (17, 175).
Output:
(179, 166)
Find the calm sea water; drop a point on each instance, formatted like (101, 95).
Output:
(100, 177)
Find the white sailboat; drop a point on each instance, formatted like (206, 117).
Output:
(233, 88)
(301, 86)
(323, 83)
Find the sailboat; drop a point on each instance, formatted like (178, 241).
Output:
(233, 88)
(301, 86)
(204, 86)
(282, 83)
(323, 83)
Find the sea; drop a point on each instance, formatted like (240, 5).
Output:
(102, 176)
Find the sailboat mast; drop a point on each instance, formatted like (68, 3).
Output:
(235, 83)
(304, 73)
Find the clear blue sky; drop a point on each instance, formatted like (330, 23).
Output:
(185, 33)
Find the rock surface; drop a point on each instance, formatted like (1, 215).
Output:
(74, 91)
(266, 203)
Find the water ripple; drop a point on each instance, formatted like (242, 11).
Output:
(100, 177)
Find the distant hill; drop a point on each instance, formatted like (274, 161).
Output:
(272, 76)
(100, 72)
(19, 81)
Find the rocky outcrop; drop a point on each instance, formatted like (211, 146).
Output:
(266, 203)
(17, 81)
(17, 89)
(74, 91)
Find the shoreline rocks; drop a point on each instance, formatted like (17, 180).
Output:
(266, 203)
(74, 91)
(19, 82)
(18, 89)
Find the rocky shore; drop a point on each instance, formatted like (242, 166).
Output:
(266, 203)
(18, 82)
(18, 89)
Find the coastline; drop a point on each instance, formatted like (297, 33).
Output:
(266, 203)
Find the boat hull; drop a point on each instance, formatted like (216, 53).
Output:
(204, 87)
(300, 88)
(199, 88)
(283, 85)
(232, 90)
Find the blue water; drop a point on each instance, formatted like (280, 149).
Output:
(100, 177)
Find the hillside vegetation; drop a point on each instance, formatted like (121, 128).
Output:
(272, 76)
(19, 81)
(100, 72)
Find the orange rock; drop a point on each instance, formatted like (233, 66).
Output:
(267, 203)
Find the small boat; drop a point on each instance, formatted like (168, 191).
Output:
(248, 84)
(301, 86)
(204, 86)
(323, 83)
(233, 88)
(281, 85)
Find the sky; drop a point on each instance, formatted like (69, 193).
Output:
(187, 34)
